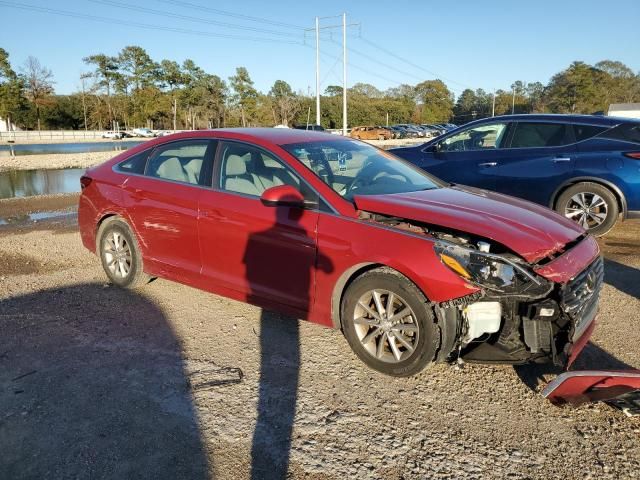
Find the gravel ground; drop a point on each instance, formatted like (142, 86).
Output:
(170, 382)
(55, 161)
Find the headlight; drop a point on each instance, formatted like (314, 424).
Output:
(490, 271)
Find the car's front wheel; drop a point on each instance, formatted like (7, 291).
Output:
(592, 205)
(120, 255)
(389, 324)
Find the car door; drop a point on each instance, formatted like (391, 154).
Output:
(264, 253)
(164, 206)
(539, 157)
(467, 156)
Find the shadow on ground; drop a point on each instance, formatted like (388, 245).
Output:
(623, 277)
(591, 358)
(93, 385)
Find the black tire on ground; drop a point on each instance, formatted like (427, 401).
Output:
(135, 277)
(565, 203)
(428, 337)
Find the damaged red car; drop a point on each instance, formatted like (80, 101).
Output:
(412, 270)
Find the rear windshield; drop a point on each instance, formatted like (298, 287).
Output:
(627, 132)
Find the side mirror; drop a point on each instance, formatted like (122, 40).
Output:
(433, 148)
(282, 196)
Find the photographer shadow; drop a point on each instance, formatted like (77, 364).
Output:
(94, 385)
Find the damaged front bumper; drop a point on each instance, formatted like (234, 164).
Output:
(551, 326)
(620, 389)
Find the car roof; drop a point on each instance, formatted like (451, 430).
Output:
(277, 136)
(599, 120)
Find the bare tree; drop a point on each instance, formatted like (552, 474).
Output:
(38, 84)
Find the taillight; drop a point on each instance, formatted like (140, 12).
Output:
(85, 182)
(634, 155)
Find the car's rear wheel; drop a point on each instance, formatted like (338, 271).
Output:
(120, 255)
(592, 205)
(389, 324)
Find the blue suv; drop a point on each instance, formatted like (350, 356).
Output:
(585, 167)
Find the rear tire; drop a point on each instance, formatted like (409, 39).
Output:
(398, 340)
(120, 254)
(592, 205)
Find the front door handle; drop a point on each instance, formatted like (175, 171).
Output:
(488, 164)
(561, 159)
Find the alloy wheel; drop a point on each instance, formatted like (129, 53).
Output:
(386, 326)
(588, 209)
(117, 254)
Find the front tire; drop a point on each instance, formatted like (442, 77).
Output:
(592, 205)
(389, 324)
(120, 254)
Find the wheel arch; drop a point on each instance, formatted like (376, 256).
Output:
(347, 277)
(622, 201)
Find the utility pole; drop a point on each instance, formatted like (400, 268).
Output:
(84, 103)
(317, 71)
(175, 112)
(493, 108)
(317, 29)
(513, 100)
(344, 74)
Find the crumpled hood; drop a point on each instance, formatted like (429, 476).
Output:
(530, 230)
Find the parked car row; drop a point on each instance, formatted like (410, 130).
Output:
(136, 132)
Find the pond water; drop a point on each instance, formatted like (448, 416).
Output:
(79, 147)
(27, 183)
(35, 217)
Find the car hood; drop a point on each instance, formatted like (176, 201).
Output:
(530, 230)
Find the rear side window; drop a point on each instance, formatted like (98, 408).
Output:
(534, 134)
(627, 132)
(134, 164)
(179, 161)
(584, 132)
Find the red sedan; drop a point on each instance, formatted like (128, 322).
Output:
(333, 230)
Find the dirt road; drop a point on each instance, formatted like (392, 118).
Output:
(170, 382)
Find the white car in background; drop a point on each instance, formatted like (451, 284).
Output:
(143, 132)
(114, 135)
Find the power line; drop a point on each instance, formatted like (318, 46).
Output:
(231, 14)
(415, 65)
(189, 18)
(113, 21)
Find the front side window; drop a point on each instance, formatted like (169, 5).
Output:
(249, 170)
(482, 137)
(538, 134)
(179, 161)
(354, 168)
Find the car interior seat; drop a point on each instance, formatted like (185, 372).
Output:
(236, 177)
(171, 169)
(193, 168)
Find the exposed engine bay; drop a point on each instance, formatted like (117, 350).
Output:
(515, 316)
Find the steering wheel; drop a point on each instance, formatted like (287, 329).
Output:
(361, 179)
(321, 161)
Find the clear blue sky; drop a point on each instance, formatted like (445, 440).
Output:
(486, 44)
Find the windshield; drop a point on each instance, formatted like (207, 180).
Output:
(353, 168)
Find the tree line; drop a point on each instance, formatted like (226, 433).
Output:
(130, 90)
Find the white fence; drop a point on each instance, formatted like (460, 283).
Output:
(44, 135)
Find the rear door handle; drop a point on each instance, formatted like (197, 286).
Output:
(488, 164)
(561, 159)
